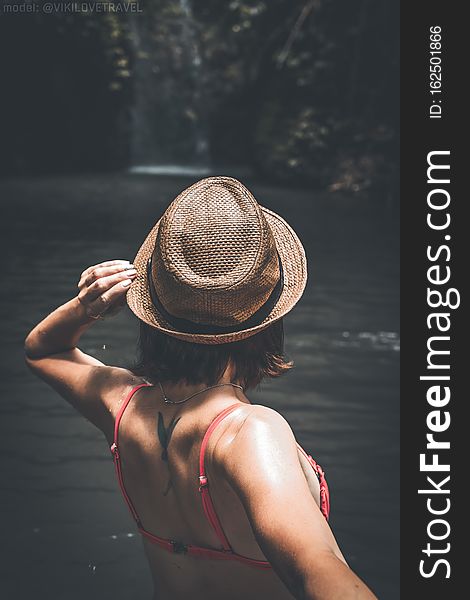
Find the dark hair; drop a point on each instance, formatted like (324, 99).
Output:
(166, 358)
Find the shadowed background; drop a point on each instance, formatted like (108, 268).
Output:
(104, 119)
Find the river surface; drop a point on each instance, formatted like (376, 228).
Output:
(66, 532)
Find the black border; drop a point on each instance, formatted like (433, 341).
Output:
(420, 135)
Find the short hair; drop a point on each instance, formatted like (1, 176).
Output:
(166, 358)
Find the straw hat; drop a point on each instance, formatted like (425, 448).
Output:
(217, 267)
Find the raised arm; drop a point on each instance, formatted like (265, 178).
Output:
(51, 347)
(261, 464)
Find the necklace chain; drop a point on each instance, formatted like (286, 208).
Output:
(168, 401)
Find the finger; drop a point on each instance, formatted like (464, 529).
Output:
(107, 263)
(108, 299)
(90, 293)
(103, 272)
(100, 271)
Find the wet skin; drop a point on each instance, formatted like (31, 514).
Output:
(259, 487)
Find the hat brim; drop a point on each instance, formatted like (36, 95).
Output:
(294, 265)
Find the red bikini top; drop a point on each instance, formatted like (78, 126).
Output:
(226, 553)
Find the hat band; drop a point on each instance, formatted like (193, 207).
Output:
(187, 326)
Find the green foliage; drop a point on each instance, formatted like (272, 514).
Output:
(316, 87)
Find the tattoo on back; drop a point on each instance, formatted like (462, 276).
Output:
(164, 436)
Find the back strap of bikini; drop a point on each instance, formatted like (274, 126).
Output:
(207, 503)
(201, 552)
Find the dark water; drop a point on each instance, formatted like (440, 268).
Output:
(66, 533)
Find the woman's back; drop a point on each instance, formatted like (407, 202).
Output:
(159, 451)
(210, 285)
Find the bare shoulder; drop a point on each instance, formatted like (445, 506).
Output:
(111, 386)
(260, 436)
(263, 419)
(115, 384)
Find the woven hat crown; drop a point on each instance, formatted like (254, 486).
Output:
(215, 259)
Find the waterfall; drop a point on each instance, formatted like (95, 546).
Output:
(168, 122)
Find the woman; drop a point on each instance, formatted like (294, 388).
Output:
(228, 505)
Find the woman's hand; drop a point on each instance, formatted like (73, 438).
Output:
(103, 287)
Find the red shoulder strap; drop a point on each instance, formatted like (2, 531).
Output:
(128, 398)
(207, 503)
(115, 451)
